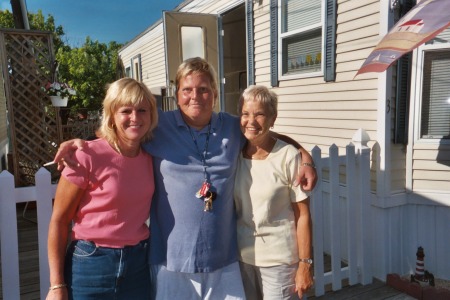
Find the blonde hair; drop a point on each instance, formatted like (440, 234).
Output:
(197, 65)
(123, 92)
(261, 94)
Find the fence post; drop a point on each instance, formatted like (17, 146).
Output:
(44, 197)
(8, 235)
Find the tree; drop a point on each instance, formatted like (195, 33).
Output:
(88, 70)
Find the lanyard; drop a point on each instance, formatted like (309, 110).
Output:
(205, 151)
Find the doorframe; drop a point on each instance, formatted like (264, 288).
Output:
(220, 73)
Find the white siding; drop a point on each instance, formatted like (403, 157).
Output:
(431, 168)
(150, 46)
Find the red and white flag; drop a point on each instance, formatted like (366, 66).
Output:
(422, 23)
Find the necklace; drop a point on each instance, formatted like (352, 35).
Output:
(269, 145)
(248, 156)
(117, 148)
(205, 150)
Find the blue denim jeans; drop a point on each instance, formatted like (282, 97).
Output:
(93, 272)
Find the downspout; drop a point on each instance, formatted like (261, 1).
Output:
(24, 10)
(19, 9)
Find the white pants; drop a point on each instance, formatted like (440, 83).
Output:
(269, 283)
(224, 283)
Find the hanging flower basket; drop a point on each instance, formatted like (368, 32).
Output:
(58, 92)
(59, 101)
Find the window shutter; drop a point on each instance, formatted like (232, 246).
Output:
(330, 41)
(274, 42)
(402, 99)
(403, 88)
(250, 47)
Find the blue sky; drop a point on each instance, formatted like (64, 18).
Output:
(102, 20)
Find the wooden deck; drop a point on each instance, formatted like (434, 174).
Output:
(28, 254)
(29, 269)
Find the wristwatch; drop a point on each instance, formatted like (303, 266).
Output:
(308, 261)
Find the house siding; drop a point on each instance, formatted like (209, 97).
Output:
(151, 48)
(431, 168)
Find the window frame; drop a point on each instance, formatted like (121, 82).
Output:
(287, 35)
(420, 59)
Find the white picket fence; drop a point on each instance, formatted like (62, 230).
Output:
(339, 227)
(338, 206)
(43, 193)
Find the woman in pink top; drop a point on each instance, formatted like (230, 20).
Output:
(104, 203)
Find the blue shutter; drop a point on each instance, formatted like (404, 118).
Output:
(274, 42)
(330, 41)
(250, 47)
(403, 88)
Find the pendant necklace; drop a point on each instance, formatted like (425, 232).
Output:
(204, 192)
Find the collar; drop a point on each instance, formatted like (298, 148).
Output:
(181, 123)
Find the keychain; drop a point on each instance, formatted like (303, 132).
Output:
(203, 190)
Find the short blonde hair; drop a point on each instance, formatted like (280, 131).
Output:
(262, 95)
(197, 65)
(122, 92)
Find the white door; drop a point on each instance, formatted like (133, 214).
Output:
(193, 34)
(189, 35)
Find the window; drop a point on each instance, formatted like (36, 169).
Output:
(303, 42)
(435, 114)
(128, 71)
(435, 92)
(301, 37)
(192, 42)
(136, 69)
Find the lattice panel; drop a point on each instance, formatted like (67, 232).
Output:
(35, 134)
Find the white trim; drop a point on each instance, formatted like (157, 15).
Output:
(383, 182)
(424, 197)
(420, 54)
(416, 75)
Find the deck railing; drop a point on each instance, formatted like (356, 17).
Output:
(340, 201)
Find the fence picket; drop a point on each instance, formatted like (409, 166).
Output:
(352, 213)
(335, 217)
(9, 240)
(318, 225)
(45, 192)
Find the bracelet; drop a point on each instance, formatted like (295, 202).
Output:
(57, 286)
(309, 165)
(308, 261)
